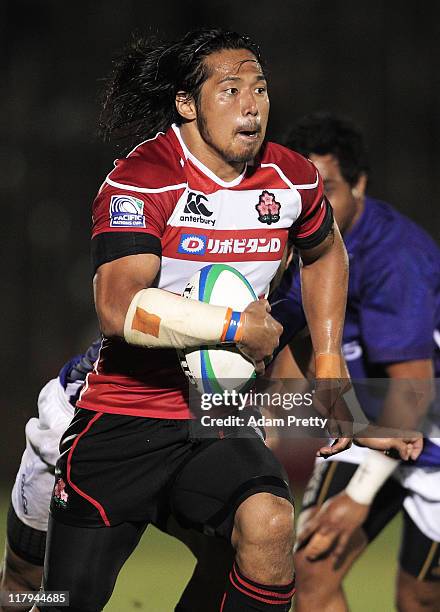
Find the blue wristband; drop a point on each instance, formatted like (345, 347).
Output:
(233, 326)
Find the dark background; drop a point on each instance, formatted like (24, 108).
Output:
(375, 61)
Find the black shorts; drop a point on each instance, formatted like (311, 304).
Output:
(419, 555)
(116, 468)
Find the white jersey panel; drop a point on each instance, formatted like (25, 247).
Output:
(171, 273)
(228, 209)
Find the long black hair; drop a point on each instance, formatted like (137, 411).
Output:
(139, 97)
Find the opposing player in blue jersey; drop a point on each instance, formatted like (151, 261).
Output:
(391, 327)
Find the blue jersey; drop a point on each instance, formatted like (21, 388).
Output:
(393, 304)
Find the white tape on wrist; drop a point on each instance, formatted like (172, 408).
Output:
(370, 476)
(160, 319)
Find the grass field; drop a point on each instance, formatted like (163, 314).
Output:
(156, 573)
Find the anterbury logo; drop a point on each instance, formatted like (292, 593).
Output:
(126, 211)
(195, 210)
(268, 208)
(195, 205)
(192, 245)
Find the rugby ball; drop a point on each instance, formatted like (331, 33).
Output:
(214, 369)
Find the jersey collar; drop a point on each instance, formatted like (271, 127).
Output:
(188, 155)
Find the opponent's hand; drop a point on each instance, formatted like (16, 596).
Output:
(261, 334)
(407, 446)
(337, 446)
(329, 530)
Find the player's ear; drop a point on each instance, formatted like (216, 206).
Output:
(358, 190)
(186, 106)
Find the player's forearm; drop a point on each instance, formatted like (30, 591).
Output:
(409, 394)
(160, 319)
(129, 307)
(324, 281)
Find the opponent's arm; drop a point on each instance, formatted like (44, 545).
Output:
(340, 516)
(332, 526)
(407, 444)
(409, 394)
(408, 398)
(411, 390)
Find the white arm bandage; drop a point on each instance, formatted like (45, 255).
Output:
(160, 319)
(370, 476)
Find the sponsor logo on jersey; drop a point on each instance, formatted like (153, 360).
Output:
(196, 211)
(126, 211)
(191, 244)
(268, 208)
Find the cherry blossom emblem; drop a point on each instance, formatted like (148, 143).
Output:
(59, 493)
(268, 208)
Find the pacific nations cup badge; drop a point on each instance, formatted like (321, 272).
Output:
(126, 211)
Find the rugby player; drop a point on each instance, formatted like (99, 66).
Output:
(392, 320)
(62, 491)
(131, 455)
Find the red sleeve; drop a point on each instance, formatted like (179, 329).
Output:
(128, 217)
(122, 210)
(316, 219)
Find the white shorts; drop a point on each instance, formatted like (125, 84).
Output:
(35, 479)
(423, 484)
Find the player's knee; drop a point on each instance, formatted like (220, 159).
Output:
(265, 520)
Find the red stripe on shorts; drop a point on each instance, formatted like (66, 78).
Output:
(74, 487)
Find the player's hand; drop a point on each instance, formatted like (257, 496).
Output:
(329, 530)
(337, 446)
(261, 334)
(328, 400)
(405, 447)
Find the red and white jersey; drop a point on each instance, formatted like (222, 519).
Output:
(161, 192)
